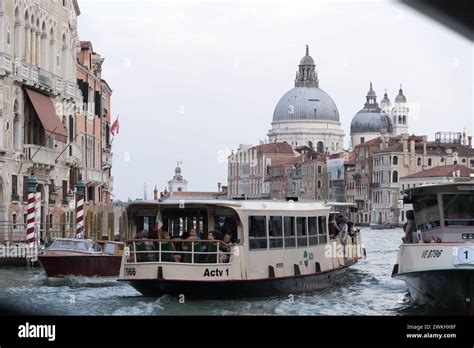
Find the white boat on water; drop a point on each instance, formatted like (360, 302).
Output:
(439, 269)
(273, 248)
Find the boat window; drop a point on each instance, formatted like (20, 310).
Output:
(322, 228)
(458, 209)
(110, 248)
(313, 230)
(302, 238)
(290, 241)
(257, 232)
(275, 232)
(62, 244)
(426, 211)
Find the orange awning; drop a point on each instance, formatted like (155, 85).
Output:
(47, 114)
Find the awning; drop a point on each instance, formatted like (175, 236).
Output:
(47, 114)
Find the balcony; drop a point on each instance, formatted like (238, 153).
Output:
(375, 185)
(44, 77)
(93, 176)
(40, 155)
(6, 63)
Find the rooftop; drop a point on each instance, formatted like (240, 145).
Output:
(442, 171)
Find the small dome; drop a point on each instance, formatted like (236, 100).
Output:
(370, 122)
(307, 59)
(400, 98)
(306, 103)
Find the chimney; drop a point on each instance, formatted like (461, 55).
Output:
(405, 142)
(425, 140)
(469, 141)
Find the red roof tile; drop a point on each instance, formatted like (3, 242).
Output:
(442, 171)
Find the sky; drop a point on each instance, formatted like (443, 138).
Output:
(192, 80)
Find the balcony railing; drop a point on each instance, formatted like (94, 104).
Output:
(39, 154)
(6, 63)
(44, 77)
(93, 175)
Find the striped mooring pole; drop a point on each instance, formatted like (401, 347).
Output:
(31, 214)
(80, 192)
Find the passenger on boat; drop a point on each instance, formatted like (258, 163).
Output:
(333, 227)
(141, 247)
(210, 249)
(224, 255)
(167, 249)
(187, 256)
(410, 229)
(343, 230)
(432, 238)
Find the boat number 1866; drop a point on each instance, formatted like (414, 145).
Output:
(428, 254)
(130, 271)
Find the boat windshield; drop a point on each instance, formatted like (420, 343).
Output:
(458, 209)
(75, 245)
(427, 212)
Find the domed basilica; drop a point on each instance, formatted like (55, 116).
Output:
(374, 120)
(306, 115)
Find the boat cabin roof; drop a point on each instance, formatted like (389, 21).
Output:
(256, 205)
(460, 187)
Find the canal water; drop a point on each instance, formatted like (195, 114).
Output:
(368, 290)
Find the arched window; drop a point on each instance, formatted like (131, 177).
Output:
(395, 176)
(430, 162)
(399, 119)
(44, 47)
(404, 120)
(51, 52)
(16, 127)
(65, 62)
(17, 34)
(319, 184)
(395, 160)
(320, 147)
(418, 162)
(26, 39)
(310, 144)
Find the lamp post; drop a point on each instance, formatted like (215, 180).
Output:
(80, 192)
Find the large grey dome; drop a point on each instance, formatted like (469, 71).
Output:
(306, 103)
(370, 122)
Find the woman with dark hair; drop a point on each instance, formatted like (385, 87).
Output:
(410, 228)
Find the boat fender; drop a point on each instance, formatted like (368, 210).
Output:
(395, 270)
(160, 272)
(318, 267)
(271, 272)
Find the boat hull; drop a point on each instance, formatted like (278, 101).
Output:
(81, 265)
(451, 290)
(239, 288)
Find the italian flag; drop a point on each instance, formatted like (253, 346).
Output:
(158, 222)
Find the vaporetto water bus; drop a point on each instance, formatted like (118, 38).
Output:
(263, 248)
(439, 268)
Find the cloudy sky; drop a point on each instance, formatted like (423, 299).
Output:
(192, 79)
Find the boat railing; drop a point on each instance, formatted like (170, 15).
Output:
(171, 250)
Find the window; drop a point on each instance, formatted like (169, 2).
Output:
(64, 191)
(362, 140)
(51, 219)
(322, 230)
(302, 237)
(320, 147)
(290, 241)
(275, 232)
(418, 162)
(426, 210)
(395, 176)
(471, 162)
(320, 169)
(313, 230)
(319, 184)
(15, 188)
(458, 209)
(430, 162)
(15, 221)
(395, 160)
(257, 232)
